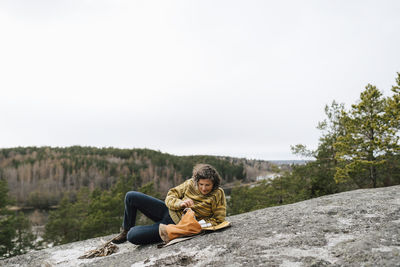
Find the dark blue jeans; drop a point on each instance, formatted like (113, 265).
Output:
(153, 208)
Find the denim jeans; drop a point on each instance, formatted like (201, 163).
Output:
(153, 208)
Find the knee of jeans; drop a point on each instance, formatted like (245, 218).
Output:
(129, 196)
(134, 236)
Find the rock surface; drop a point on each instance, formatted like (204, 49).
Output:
(356, 228)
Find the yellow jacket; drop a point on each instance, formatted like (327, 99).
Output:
(210, 207)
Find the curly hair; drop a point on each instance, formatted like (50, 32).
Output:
(206, 171)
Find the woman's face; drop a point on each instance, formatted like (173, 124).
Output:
(205, 186)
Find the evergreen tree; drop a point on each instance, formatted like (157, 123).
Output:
(393, 107)
(15, 235)
(368, 138)
(391, 169)
(62, 227)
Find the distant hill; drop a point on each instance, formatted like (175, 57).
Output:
(40, 176)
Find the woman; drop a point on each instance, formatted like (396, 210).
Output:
(201, 193)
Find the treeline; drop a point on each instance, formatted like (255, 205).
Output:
(39, 176)
(358, 148)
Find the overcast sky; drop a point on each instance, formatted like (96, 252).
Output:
(233, 78)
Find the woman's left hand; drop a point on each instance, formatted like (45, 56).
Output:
(187, 203)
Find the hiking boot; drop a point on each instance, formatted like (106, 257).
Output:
(121, 238)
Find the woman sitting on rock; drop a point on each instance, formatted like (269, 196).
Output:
(201, 193)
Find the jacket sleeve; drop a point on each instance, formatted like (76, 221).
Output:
(175, 196)
(219, 209)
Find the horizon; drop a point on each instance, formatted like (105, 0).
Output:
(163, 152)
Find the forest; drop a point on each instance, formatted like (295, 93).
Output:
(40, 176)
(358, 148)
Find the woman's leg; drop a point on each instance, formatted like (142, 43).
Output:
(151, 207)
(147, 234)
(144, 234)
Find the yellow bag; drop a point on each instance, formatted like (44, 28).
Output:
(187, 226)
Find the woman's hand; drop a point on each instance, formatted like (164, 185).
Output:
(187, 203)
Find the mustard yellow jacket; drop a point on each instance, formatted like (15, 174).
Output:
(210, 207)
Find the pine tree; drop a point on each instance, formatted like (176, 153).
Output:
(15, 235)
(367, 139)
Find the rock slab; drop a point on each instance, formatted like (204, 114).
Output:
(355, 228)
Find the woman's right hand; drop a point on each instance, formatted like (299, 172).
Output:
(187, 203)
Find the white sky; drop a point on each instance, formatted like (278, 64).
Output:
(234, 78)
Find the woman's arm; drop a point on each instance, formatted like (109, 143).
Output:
(219, 209)
(175, 196)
